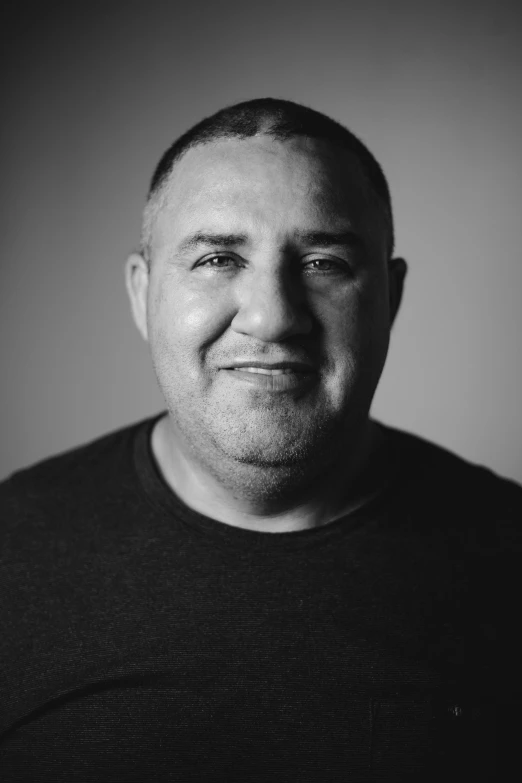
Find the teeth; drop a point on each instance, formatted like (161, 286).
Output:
(262, 370)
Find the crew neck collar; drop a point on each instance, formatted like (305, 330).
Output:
(167, 502)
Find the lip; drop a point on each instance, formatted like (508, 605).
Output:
(296, 367)
(274, 377)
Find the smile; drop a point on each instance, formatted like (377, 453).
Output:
(263, 371)
(273, 380)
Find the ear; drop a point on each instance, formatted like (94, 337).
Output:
(137, 282)
(397, 269)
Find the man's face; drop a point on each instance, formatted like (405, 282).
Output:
(267, 303)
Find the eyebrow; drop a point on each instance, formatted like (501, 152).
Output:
(316, 238)
(329, 238)
(211, 240)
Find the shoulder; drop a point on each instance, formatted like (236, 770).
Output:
(441, 480)
(430, 462)
(65, 481)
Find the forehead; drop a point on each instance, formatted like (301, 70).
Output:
(265, 182)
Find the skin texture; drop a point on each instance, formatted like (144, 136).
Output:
(265, 452)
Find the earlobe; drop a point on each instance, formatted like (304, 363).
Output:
(397, 269)
(137, 282)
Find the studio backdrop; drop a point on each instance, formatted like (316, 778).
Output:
(93, 93)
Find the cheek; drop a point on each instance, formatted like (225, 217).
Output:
(356, 329)
(374, 334)
(183, 322)
(342, 322)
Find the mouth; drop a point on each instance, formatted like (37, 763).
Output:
(263, 370)
(273, 377)
(276, 368)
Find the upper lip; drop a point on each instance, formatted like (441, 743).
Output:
(289, 365)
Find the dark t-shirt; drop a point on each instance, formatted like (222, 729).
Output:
(141, 641)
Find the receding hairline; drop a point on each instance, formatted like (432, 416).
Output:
(158, 196)
(280, 120)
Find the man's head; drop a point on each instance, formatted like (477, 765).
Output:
(267, 241)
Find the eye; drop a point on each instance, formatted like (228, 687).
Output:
(325, 265)
(219, 262)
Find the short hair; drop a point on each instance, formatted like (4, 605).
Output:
(282, 120)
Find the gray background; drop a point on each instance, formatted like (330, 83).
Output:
(94, 93)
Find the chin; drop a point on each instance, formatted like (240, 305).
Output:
(276, 449)
(270, 458)
(267, 478)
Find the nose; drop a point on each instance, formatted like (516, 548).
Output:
(272, 307)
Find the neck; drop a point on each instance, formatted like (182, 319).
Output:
(286, 502)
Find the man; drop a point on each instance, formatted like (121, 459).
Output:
(262, 584)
